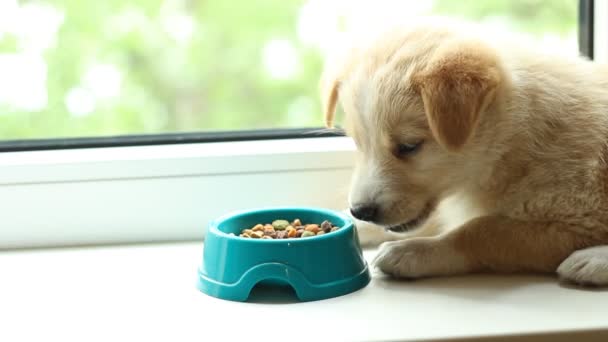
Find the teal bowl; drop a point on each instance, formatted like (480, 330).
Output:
(316, 267)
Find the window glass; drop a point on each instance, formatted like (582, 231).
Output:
(83, 68)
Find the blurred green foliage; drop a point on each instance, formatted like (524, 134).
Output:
(208, 76)
(531, 16)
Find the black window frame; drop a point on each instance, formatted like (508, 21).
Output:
(585, 43)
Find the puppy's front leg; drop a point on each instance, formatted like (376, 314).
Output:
(489, 243)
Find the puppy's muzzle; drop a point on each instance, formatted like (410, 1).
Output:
(365, 212)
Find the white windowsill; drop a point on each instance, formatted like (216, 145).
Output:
(147, 293)
(161, 193)
(136, 162)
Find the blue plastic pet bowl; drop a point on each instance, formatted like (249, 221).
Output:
(316, 267)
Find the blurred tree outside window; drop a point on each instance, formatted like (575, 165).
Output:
(84, 68)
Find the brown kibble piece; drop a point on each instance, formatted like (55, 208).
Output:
(281, 234)
(292, 233)
(258, 227)
(312, 228)
(296, 223)
(257, 235)
(299, 232)
(326, 226)
(268, 226)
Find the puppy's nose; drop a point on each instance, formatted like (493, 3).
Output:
(365, 212)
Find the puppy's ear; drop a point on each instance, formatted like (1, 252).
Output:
(330, 85)
(456, 86)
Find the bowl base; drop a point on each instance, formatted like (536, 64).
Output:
(279, 274)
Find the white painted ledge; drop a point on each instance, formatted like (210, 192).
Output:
(161, 193)
(147, 293)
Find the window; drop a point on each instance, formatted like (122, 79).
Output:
(105, 68)
(156, 73)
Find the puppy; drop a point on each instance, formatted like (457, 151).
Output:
(442, 115)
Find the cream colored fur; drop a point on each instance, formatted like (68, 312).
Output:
(515, 145)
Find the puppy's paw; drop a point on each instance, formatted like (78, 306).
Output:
(586, 267)
(371, 235)
(419, 257)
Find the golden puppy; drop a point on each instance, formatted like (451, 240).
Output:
(518, 136)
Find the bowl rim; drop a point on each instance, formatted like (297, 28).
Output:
(345, 229)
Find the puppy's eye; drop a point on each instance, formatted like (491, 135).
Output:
(404, 150)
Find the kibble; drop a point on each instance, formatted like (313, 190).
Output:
(257, 235)
(308, 233)
(326, 226)
(312, 228)
(283, 229)
(280, 224)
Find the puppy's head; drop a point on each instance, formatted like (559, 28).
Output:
(413, 103)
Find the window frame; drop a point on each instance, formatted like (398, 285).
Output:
(166, 139)
(586, 27)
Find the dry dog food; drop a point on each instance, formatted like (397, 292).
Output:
(283, 229)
